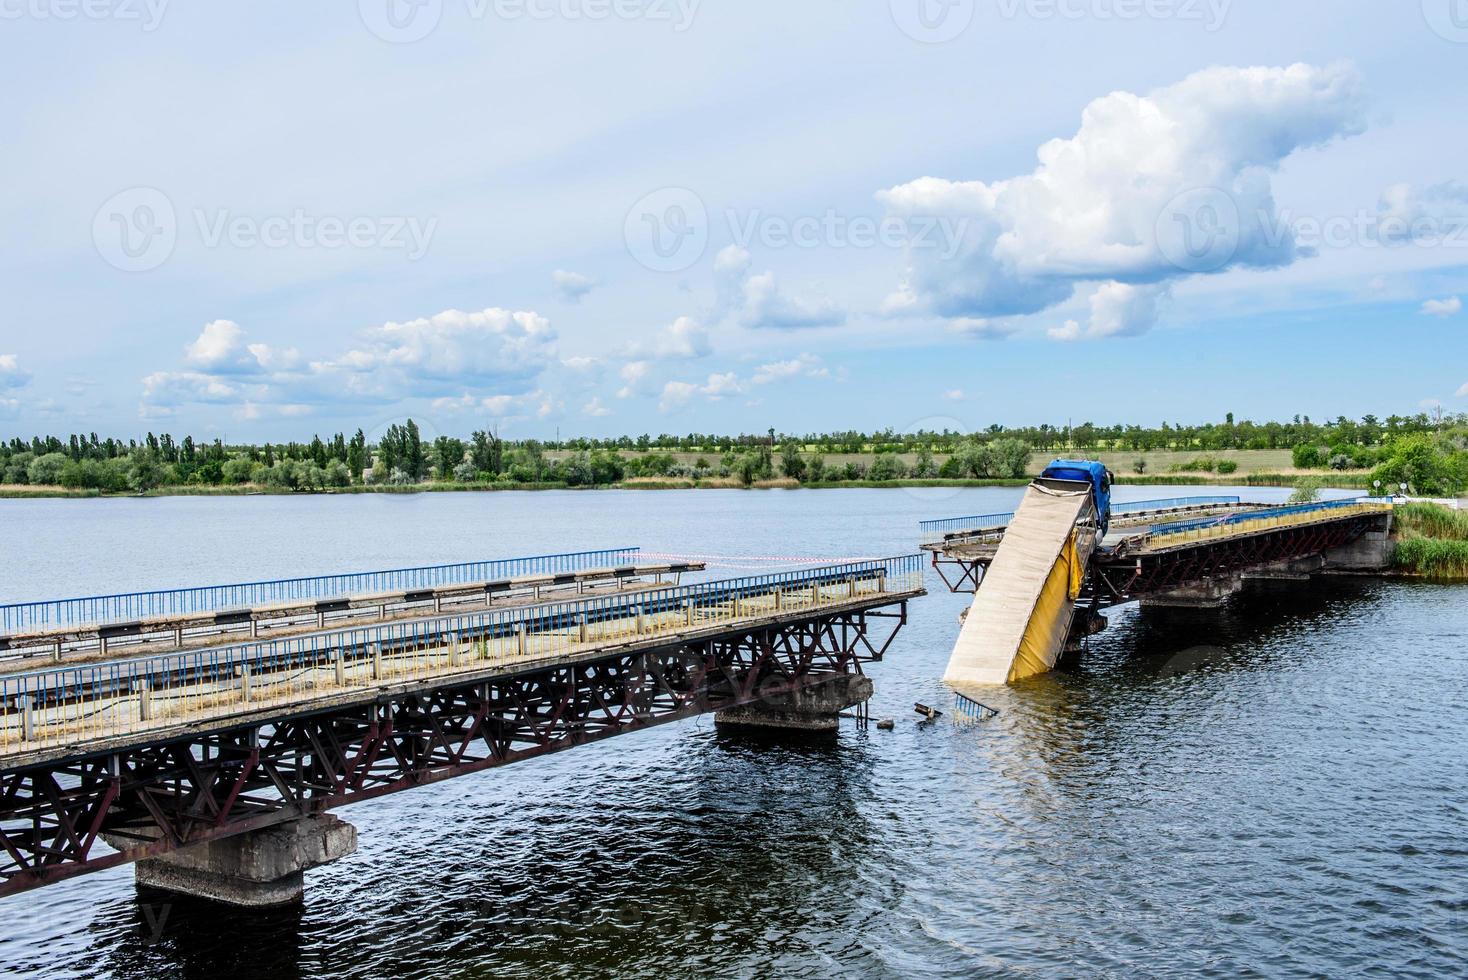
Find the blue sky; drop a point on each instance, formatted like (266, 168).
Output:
(602, 216)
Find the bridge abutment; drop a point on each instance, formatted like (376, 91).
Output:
(809, 708)
(1371, 552)
(257, 869)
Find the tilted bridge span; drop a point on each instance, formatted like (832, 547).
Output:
(1041, 576)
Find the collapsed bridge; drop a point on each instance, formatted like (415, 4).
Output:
(1042, 575)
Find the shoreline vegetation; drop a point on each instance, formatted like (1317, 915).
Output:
(1431, 542)
(1274, 480)
(1428, 455)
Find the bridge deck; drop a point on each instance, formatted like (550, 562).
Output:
(191, 630)
(71, 711)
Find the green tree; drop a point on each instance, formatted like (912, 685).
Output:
(145, 472)
(47, 469)
(791, 463)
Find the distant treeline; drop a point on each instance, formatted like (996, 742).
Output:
(401, 457)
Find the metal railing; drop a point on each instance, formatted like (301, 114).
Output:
(70, 706)
(1272, 514)
(1168, 503)
(127, 606)
(935, 531)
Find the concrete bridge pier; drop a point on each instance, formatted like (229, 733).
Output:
(813, 707)
(257, 869)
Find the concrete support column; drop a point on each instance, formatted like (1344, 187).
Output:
(812, 707)
(1371, 552)
(257, 869)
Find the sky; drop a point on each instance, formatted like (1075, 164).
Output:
(595, 217)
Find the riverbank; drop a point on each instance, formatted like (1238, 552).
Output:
(1431, 542)
(1285, 480)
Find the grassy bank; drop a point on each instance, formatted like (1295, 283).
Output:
(1432, 541)
(1343, 480)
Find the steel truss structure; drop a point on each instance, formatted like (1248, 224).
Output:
(1115, 577)
(231, 780)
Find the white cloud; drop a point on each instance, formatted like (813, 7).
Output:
(1426, 216)
(581, 365)
(634, 376)
(490, 346)
(805, 365)
(1117, 310)
(722, 385)
(572, 286)
(981, 329)
(1463, 391)
(677, 394)
(1122, 310)
(12, 375)
(1451, 306)
(756, 301)
(1124, 200)
(220, 348)
(684, 337)
(595, 409)
(496, 406)
(440, 357)
(955, 395)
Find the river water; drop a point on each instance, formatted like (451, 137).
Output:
(1277, 789)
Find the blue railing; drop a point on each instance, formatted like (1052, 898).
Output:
(936, 530)
(127, 606)
(949, 525)
(556, 624)
(1168, 503)
(1159, 530)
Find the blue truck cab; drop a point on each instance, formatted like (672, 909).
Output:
(1085, 471)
